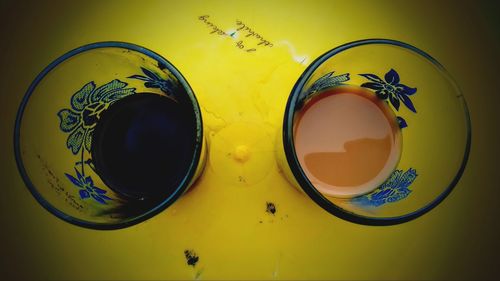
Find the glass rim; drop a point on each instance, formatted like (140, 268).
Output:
(299, 174)
(157, 208)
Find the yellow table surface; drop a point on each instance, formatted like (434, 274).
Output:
(223, 218)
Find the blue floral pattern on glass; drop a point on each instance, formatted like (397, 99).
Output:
(79, 121)
(87, 188)
(87, 104)
(391, 88)
(395, 188)
(153, 80)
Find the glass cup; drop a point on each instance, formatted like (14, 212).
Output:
(375, 132)
(108, 135)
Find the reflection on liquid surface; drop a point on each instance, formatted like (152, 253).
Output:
(347, 141)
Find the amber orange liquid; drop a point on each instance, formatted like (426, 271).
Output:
(347, 141)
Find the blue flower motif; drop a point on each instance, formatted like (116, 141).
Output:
(391, 88)
(87, 188)
(392, 190)
(87, 104)
(153, 80)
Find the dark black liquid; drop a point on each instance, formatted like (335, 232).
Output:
(143, 145)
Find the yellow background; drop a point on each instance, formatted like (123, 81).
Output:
(221, 219)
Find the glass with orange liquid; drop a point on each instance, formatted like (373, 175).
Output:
(347, 141)
(375, 132)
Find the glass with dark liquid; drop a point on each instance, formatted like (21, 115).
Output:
(143, 144)
(108, 135)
